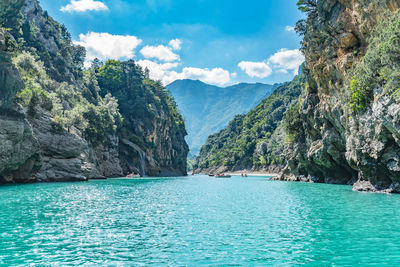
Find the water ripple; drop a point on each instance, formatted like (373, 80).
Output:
(196, 221)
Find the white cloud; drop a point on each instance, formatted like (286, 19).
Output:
(107, 46)
(159, 52)
(287, 60)
(166, 73)
(162, 72)
(175, 44)
(282, 61)
(217, 76)
(255, 69)
(289, 29)
(84, 5)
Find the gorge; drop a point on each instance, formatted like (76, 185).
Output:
(128, 91)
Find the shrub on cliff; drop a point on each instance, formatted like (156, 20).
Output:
(307, 6)
(380, 66)
(292, 121)
(102, 120)
(66, 102)
(35, 79)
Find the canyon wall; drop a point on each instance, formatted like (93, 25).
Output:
(348, 123)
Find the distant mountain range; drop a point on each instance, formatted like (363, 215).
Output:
(207, 108)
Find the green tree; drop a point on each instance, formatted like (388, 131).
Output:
(111, 76)
(307, 6)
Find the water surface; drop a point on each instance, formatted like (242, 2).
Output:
(194, 221)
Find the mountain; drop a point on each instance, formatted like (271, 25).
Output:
(254, 140)
(59, 122)
(208, 108)
(346, 129)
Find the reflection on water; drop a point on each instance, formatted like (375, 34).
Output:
(194, 221)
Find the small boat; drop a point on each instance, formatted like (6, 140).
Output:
(222, 176)
(211, 175)
(132, 175)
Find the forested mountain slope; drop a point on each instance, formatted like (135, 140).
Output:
(59, 122)
(207, 108)
(254, 140)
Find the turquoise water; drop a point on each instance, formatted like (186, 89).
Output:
(194, 221)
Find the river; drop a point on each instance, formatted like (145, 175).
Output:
(195, 221)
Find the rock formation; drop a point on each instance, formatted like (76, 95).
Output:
(348, 134)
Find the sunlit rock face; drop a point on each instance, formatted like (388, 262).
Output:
(335, 145)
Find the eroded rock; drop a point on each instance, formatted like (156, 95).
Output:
(334, 146)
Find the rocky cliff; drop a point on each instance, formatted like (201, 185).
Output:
(347, 128)
(59, 122)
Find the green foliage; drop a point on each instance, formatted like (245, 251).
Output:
(32, 96)
(111, 76)
(67, 103)
(173, 109)
(102, 120)
(292, 121)
(360, 95)
(35, 79)
(254, 139)
(75, 117)
(307, 6)
(92, 90)
(96, 121)
(139, 98)
(64, 61)
(30, 67)
(379, 68)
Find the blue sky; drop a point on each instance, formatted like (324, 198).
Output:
(218, 41)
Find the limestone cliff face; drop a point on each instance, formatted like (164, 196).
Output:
(34, 147)
(335, 145)
(166, 156)
(19, 150)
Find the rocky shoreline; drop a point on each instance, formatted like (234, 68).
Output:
(273, 170)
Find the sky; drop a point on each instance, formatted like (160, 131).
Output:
(221, 42)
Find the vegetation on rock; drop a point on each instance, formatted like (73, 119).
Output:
(348, 119)
(380, 67)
